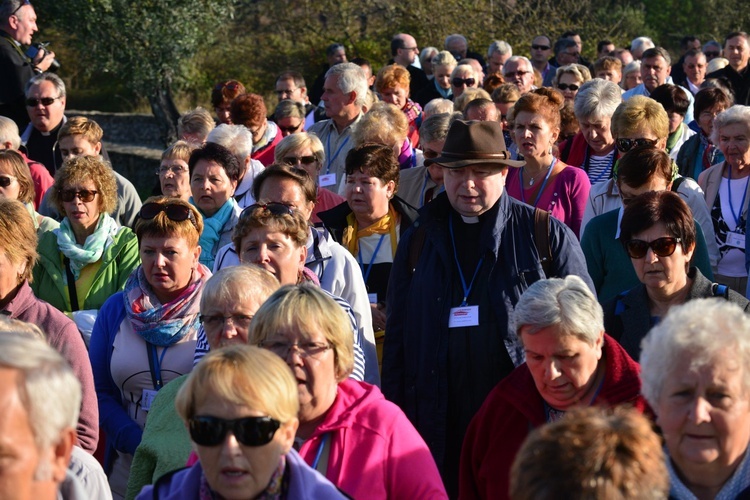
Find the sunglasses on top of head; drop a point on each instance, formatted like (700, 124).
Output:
(174, 212)
(626, 145)
(274, 208)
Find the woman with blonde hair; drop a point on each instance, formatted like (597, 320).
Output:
(440, 87)
(385, 124)
(569, 79)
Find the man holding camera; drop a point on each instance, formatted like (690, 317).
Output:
(17, 27)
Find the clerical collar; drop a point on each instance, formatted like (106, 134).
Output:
(470, 220)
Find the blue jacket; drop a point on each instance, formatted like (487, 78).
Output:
(416, 356)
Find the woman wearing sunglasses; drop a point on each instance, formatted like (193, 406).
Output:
(443, 65)
(362, 443)
(659, 236)
(16, 183)
(392, 84)
(568, 79)
(240, 406)
(463, 77)
(90, 256)
(306, 151)
(146, 334)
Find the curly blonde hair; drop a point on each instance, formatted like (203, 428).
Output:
(83, 169)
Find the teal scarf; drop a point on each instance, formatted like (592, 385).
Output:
(212, 227)
(92, 249)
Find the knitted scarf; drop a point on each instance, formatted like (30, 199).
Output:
(163, 324)
(92, 249)
(212, 227)
(386, 224)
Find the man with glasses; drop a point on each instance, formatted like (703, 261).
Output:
(291, 85)
(712, 49)
(17, 27)
(519, 71)
(541, 48)
(566, 52)
(405, 52)
(45, 105)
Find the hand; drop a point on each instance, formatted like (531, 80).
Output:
(43, 59)
(378, 317)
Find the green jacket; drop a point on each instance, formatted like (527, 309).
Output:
(118, 261)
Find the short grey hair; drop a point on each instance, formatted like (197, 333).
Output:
(631, 67)
(9, 132)
(435, 128)
(46, 77)
(50, 392)
(516, 59)
(462, 68)
(444, 58)
(428, 53)
(567, 303)
(642, 43)
(701, 330)
(237, 285)
(597, 99)
(297, 141)
(236, 138)
(438, 106)
(455, 36)
(734, 115)
(288, 108)
(500, 46)
(351, 78)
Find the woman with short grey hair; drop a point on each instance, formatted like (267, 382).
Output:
(570, 363)
(239, 140)
(631, 75)
(593, 148)
(694, 367)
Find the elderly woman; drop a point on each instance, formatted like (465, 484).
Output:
(222, 96)
(568, 79)
(372, 220)
(631, 75)
(249, 393)
(392, 84)
(156, 315)
(250, 111)
(699, 152)
(545, 182)
(694, 376)
(289, 116)
(725, 186)
(228, 303)
(239, 140)
(365, 444)
(570, 362)
(642, 169)
(463, 77)
(173, 172)
(18, 242)
(214, 173)
(593, 148)
(443, 65)
(385, 124)
(16, 184)
(90, 256)
(659, 236)
(306, 151)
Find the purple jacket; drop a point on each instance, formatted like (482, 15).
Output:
(304, 482)
(63, 335)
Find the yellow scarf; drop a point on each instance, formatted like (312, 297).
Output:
(386, 224)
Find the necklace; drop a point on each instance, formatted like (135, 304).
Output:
(533, 177)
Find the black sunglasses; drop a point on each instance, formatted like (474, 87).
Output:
(273, 207)
(290, 130)
(173, 211)
(662, 247)
(457, 82)
(626, 145)
(86, 195)
(711, 54)
(304, 160)
(46, 101)
(540, 47)
(249, 431)
(7, 180)
(564, 86)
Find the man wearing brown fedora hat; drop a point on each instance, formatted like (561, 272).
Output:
(457, 274)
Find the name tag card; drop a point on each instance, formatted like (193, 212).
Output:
(147, 399)
(373, 298)
(736, 240)
(325, 180)
(463, 316)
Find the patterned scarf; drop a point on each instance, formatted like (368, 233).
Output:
(92, 249)
(277, 487)
(711, 155)
(412, 110)
(163, 324)
(212, 227)
(386, 224)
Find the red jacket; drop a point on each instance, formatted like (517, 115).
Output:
(41, 177)
(573, 152)
(265, 154)
(514, 407)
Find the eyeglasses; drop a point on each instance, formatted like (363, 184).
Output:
(85, 195)
(305, 349)
(25, 2)
(458, 82)
(662, 247)
(46, 101)
(520, 73)
(540, 47)
(626, 145)
(415, 49)
(273, 207)
(7, 180)
(249, 431)
(564, 86)
(174, 169)
(430, 154)
(573, 54)
(215, 322)
(304, 160)
(290, 130)
(174, 212)
(711, 54)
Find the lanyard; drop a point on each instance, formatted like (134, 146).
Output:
(366, 270)
(154, 362)
(467, 290)
(331, 159)
(605, 171)
(323, 443)
(729, 193)
(541, 189)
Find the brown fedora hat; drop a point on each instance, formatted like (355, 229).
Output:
(472, 143)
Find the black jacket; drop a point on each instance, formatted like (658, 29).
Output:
(15, 70)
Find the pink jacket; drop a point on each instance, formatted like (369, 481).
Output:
(375, 451)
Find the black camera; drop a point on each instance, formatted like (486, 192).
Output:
(35, 48)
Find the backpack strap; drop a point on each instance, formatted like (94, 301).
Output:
(676, 183)
(719, 290)
(541, 236)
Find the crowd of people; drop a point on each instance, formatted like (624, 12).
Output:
(455, 275)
